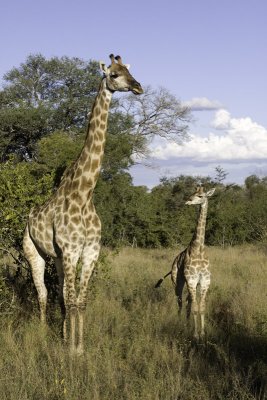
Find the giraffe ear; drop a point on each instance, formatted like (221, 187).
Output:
(103, 67)
(210, 192)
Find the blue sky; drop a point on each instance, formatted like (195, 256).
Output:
(210, 54)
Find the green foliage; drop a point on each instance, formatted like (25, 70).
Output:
(124, 218)
(160, 218)
(20, 128)
(228, 217)
(256, 192)
(21, 187)
(58, 150)
(42, 96)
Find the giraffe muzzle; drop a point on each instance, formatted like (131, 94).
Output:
(137, 89)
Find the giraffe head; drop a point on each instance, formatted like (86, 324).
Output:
(118, 77)
(200, 197)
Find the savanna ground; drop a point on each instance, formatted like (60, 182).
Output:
(136, 346)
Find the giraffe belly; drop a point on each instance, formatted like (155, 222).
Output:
(199, 279)
(195, 274)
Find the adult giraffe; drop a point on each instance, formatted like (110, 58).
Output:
(67, 227)
(191, 266)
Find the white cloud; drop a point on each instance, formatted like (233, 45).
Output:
(202, 104)
(234, 140)
(221, 120)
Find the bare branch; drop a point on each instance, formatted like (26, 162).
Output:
(156, 112)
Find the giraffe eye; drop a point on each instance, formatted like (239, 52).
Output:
(114, 75)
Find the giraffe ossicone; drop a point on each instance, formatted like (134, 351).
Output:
(67, 226)
(191, 266)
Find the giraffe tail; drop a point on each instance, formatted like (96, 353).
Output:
(162, 279)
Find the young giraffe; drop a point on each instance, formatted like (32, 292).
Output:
(191, 266)
(67, 227)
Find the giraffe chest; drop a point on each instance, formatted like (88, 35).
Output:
(197, 264)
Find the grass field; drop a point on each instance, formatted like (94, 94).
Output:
(137, 347)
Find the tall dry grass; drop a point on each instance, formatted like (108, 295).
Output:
(137, 347)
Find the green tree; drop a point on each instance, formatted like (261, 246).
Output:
(22, 186)
(19, 191)
(221, 174)
(227, 217)
(256, 213)
(42, 96)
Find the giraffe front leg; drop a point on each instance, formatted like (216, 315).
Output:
(62, 290)
(202, 308)
(89, 258)
(72, 315)
(66, 315)
(70, 301)
(204, 285)
(193, 305)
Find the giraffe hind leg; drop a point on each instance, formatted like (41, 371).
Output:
(179, 290)
(188, 305)
(37, 263)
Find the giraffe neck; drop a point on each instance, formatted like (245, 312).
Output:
(87, 167)
(198, 240)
